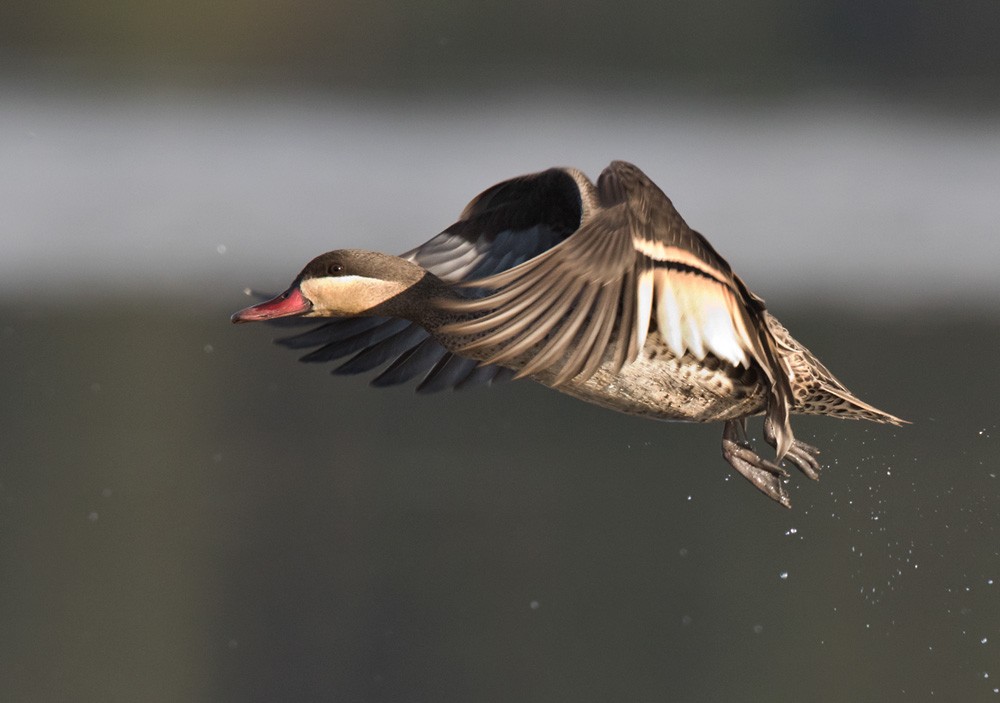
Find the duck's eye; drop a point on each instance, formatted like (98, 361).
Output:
(335, 269)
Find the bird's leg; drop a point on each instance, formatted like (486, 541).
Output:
(740, 429)
(765, 475)
(801, 454)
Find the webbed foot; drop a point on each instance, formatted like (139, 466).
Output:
(765, 475)
(802, 455)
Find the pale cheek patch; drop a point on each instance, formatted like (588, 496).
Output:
(344, 296)
(336, 296)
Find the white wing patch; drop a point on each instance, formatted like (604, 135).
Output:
(699, 315)
(644, 307)
(693, 314)
(695, 311)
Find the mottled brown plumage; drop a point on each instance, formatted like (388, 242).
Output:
(600, 291)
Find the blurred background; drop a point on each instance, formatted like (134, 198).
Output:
(188, 514)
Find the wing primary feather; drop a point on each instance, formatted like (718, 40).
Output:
(603, 329)
(501, 313)
(478, 376)
(544, 322)
(503, 375)
(447, 373)
(593, 322)
(350, 345)
(502, 294)
(334, 331)
(511, 328)
(414, 362)
(763, 348)
(562, 339)
(382, 352)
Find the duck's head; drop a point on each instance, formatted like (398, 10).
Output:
(344, 283)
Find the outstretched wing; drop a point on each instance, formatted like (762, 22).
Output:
(632, 263)
(504, 226)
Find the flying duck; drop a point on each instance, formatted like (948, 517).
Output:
(600, 291)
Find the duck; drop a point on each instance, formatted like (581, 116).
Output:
(599, 290)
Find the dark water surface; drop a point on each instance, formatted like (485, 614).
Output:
(189, 515)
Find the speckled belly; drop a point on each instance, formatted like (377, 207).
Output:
(656, 385)
(659, 385)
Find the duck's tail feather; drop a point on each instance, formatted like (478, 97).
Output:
(837, 401)
(816, 390)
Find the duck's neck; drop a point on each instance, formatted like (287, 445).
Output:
(416, 300)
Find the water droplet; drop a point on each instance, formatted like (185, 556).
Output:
(92, 516)
(783, 575)
(221, 248)
(534, 605)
